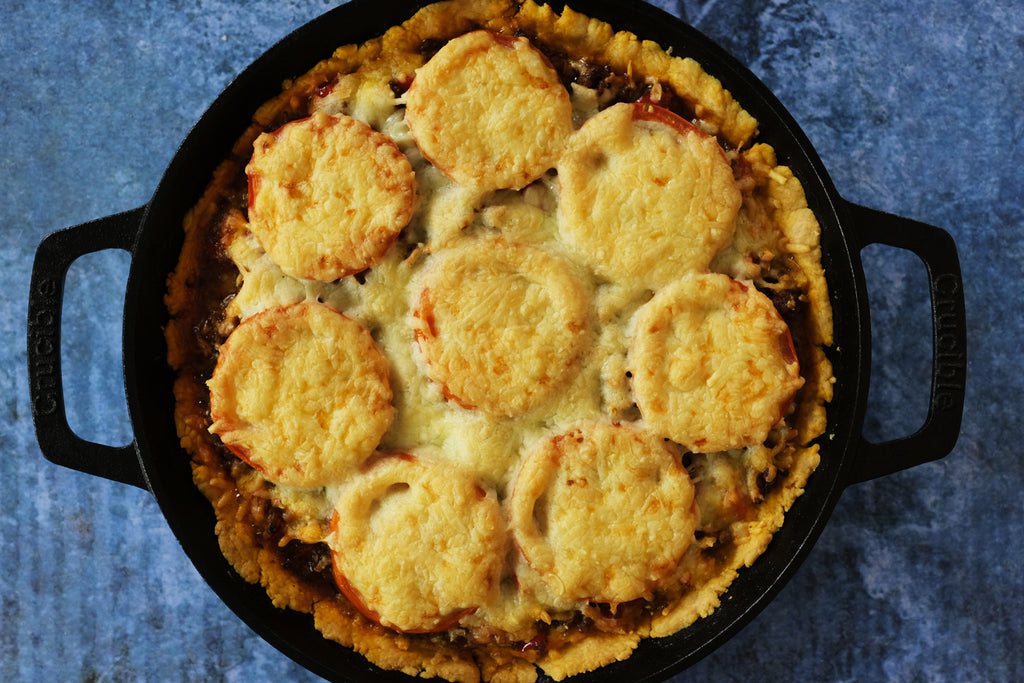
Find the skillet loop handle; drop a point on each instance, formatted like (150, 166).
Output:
(937, 437)
(57, 441)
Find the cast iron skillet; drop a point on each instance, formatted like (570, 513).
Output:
(153, 236)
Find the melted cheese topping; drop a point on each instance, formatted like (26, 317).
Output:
(500, 326)
(417, 545)
(602, 513)
(713, 364)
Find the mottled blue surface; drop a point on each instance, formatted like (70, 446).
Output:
(915, 107)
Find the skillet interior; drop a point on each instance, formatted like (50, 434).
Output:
(149, 379)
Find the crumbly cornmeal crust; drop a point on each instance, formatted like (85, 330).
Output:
(476, 447)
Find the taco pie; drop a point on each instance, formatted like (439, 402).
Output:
(499, 343)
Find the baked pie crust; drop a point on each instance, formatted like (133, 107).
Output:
(499, 344)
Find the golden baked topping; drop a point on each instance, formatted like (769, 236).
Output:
(645, 195)
(500, 326)
(328, 195)
(603, 513)
(489, 111)
(301, 394)
(713, 363)
(417, 544)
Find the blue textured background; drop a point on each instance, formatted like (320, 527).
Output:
(915, 107)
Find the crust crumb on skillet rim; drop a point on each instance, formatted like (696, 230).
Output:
(517, 458)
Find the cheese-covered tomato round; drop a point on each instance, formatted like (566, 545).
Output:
(500, 326)
(417, 544)
(713, 363)
(301, 393)
(328, 195)
(489, 111)
(645, 196)
(603, 513)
